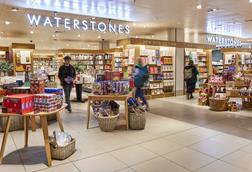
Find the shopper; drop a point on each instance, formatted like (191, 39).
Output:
(67, 76)
(141, 75)
(191, 73)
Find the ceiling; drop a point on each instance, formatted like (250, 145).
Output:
(149, 18)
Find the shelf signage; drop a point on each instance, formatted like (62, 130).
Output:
(76, 24)
(224, 42)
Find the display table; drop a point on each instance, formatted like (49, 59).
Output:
(44, 124)
(123, 98)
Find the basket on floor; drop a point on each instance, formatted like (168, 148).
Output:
(17, 123)
(247, 104)
(108, 123)
(137, 121)
(62, 153)
(217, 104)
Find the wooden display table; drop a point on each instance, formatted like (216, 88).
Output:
(44, 124)
(123, 98)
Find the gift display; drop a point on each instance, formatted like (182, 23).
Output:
(19, 104)
(47, 102)
(112, 76)
(216, 80)
(114, 87)
(203, 99)
(37, 86)
(19, 90)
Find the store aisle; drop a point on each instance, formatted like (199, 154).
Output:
(167, 144)
(235, 123)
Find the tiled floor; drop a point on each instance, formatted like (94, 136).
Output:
(179, 137)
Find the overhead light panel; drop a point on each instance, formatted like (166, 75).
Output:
(7, 22)
(32, 32)
(250, 1)
(199, 6)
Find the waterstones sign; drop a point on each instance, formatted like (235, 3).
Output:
(76, 24)
(224, 42)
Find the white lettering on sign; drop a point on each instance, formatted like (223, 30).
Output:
(222, 42)
(77, 24)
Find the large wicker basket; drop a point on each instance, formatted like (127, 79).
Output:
(137, 121)
(107, 124)
(247, 104)
(218, 104)
(62, 153)
(17, 123)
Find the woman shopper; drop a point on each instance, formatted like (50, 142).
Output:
(141, 75)
(67, 76)
(191, 73)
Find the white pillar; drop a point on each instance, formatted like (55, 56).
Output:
(178, 36)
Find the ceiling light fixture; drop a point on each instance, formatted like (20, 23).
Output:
(134, 24)
(67, 45)
(250, 1)
(31, 32)
(53, 36)
(199, 6)
(99, 37)
(79, 35)
(7, 22)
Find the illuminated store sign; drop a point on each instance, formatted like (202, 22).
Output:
(224, 42)
(77, 24)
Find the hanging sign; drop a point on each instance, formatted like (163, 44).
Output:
(76, 24)
(224, 42)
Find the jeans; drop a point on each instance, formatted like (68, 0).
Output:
(140, 94)
(67, 92)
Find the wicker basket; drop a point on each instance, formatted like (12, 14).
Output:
(137, 121)
(247, 104)
(17, 123)
(107, 124)
(218, 104)
(62, 153)
(233, 93)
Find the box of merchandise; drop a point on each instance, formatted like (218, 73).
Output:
(47, 102)
(112, 76)
(19, 90)
(58, 91)
(37, 86)
(18, 103)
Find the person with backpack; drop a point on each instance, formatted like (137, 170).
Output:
(141, 75)
(190, 76)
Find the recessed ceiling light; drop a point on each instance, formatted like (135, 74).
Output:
(53, 36)
(67, 45)
(134, 24)
(136, 36)
(99, 37)
(14, 9)
(250, 1)
(214, 9)
(31, 32)
(79, 35)
(199, 6)
(7, 22)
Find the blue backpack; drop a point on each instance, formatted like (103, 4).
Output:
(143, 76)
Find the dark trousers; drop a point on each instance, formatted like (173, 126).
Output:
(140, 94)
(67, 92)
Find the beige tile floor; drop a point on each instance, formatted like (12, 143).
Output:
(166, 145)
